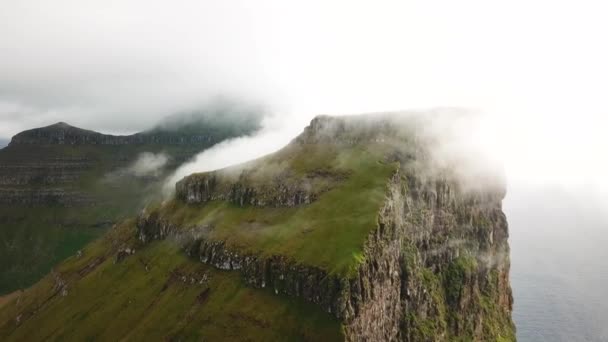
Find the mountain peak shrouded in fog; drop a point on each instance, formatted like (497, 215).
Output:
(217, 114)
(121, 68)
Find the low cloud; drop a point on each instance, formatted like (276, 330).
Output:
(450, 135)
(148, 164)
(276, 132)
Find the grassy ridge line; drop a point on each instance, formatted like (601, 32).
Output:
(329, 233)
(156, 293)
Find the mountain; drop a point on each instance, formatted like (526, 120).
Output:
(360, 229)
(62, 186)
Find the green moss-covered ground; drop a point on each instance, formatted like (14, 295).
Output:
(155, 294)
(329, 233)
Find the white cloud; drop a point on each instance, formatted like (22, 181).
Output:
(148, 164)
(538, 68)
(276, 132)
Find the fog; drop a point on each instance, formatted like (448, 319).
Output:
(148, 164)
(121, 66)
(536, 70)
(274, 134)
(558, 262)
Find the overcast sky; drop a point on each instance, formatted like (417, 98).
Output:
(538, 67)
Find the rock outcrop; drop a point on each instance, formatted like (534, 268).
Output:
(280, 190)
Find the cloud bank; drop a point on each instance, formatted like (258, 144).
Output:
(276, 132)
(119, 67)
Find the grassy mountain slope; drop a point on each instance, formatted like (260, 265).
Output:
(342, 216)
(157, 293)
(37, 235)
(62, 186)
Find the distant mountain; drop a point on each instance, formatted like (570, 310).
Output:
(3, 142)
(194, 133)
(61, 186)
(354, 231)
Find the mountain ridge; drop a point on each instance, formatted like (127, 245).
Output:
(62, 133)
(61, 186)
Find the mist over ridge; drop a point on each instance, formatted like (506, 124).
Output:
(121, 67)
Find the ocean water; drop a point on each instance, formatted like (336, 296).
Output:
(559, 264)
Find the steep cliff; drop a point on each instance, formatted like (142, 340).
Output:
(359, 218)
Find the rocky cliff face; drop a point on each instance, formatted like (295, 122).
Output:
(279, 190)
(435, 267)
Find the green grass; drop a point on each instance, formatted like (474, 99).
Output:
(124, 301)
(36, 238)
(33, 239)
(40, 239)
(329, 233)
